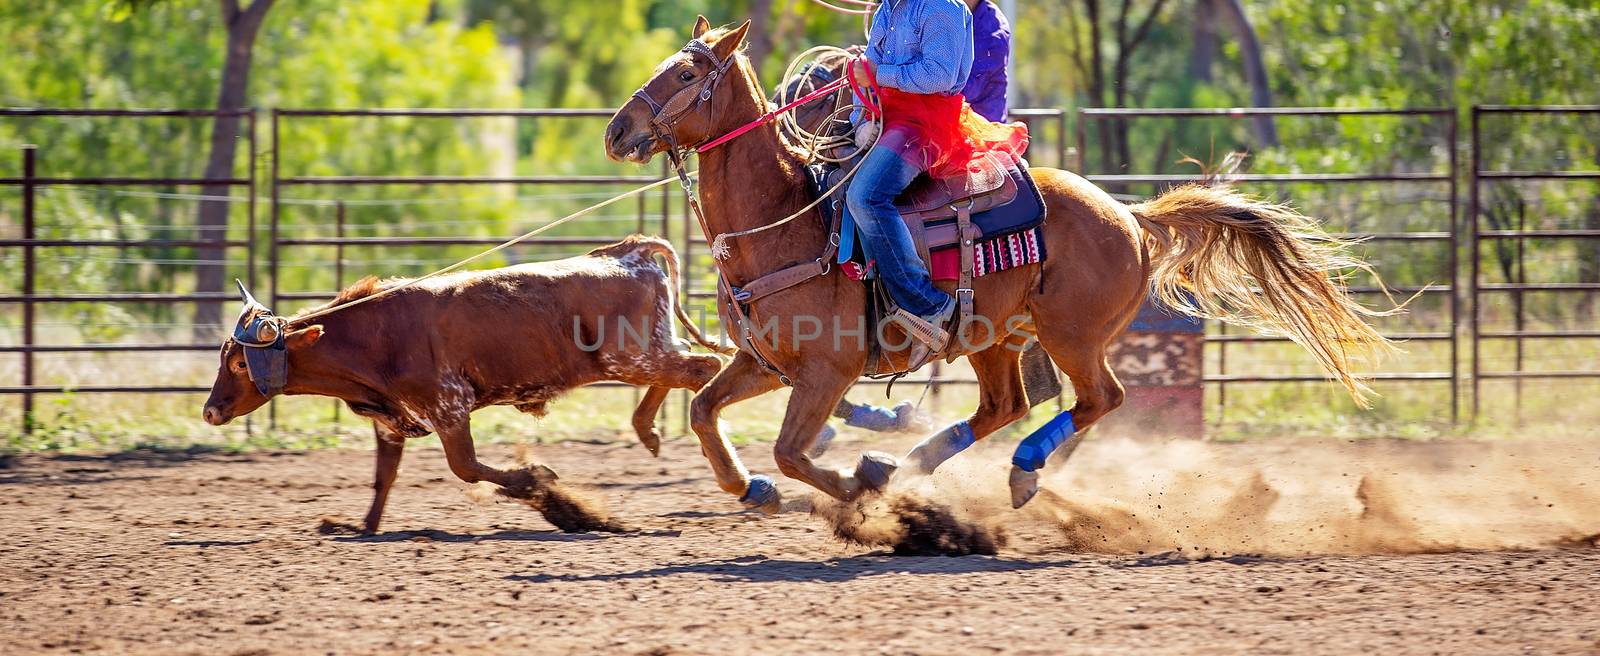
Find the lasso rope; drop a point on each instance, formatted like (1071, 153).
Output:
(817, 143)
(507, 244)
(864, 6)
(720, 249)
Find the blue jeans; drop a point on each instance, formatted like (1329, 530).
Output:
(870, 203)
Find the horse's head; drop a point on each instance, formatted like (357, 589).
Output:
(686, 101)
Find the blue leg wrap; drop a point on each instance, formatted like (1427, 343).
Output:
(873, 418)
(1036, 448)
(761, 492)
(928, 454)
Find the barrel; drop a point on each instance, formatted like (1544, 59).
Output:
(1159, 361)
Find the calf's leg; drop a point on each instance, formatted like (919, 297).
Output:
(663, 371)
(463, 458)
(390, 448)
(644, 418)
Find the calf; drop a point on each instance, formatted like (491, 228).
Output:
(419, 360)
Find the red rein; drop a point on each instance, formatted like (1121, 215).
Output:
(850, 79)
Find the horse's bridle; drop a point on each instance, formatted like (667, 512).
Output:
(664, 116)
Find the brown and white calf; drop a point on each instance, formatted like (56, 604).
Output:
(422, 359)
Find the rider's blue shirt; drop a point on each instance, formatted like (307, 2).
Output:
(921, 46)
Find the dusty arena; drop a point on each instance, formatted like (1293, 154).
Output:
(1286, 546)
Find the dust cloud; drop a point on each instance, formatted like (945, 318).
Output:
(1287, 497)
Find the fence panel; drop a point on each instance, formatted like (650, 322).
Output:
(336, 228)
(1510, 185)
(1227, 347)
(32, 185)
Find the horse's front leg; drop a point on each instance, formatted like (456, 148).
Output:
(816, 392)
(741, 379)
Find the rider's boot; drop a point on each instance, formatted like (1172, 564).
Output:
(930, 334)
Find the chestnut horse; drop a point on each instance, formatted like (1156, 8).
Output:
(1208, 251)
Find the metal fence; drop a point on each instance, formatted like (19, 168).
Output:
(1482, 176)
(1050, 148)
(30, 182)
(1223, 341)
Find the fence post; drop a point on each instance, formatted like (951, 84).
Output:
(1456, 288)
(272, 250)
(1472, 265)
(338, 272)
(29, 152)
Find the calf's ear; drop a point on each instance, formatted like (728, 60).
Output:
(300, 339)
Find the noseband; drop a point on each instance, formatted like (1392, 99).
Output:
(664, 116)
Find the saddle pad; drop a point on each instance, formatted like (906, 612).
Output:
(992, 255)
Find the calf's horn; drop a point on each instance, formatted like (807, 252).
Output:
(249, 300)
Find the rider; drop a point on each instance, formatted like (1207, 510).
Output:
(985, 91)
(920, 53)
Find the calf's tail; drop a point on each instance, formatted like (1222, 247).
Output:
(653, 246)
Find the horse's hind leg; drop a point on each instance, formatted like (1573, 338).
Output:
(390, 448)
(1098, 392)
(1001, 401)
(742, 379)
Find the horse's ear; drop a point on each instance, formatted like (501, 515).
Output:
(701, 26)
(729, 43)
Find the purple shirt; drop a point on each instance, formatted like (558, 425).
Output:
(991, 41)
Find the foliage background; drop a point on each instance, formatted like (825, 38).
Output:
(549, 53)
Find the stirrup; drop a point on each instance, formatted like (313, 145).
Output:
(926, 334)
(928, 340)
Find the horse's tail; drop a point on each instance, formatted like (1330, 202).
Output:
(1219, 254)
(654, 246)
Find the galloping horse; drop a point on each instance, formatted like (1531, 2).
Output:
(1208, 251)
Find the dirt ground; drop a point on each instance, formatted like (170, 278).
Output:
(1141, 549)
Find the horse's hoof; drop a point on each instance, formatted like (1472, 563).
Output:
(875, 470)
(1024, 484)
(824, 440)
(762, 495)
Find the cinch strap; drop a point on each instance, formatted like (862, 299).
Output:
(1036, 448)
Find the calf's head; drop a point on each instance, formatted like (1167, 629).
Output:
(255, 361)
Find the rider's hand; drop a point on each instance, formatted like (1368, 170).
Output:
(862, 70)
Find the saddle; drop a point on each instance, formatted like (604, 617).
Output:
(963, 226)
(997, 196)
